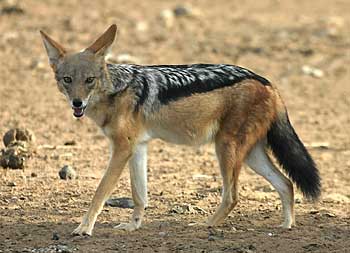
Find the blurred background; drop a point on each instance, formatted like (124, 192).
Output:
(303, 47)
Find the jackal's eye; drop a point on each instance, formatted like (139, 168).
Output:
(67, 79)
(89, 80)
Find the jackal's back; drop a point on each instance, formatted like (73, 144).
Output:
(158, 85)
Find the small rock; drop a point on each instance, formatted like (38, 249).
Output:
(318, 145)
(298, 201)
(18, 134)
(211, 238)
(120, 202)
(181, 11)
(187, 209)
(311, 71)
(70, 143)
(176, 209)
(62, 248)
(265, 188)
(12, 158)
(55, 237)
(168, 18)
(201, 177)
(12, 184)
(199, 210)
(12, 9)
(331, 215)
(311, 246)
(142, 26)
(37, 64)
(162, 234)
(186, 11)
(67, 172)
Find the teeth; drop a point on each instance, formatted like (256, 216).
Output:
(78, 112)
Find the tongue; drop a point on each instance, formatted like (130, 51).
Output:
(78, 112)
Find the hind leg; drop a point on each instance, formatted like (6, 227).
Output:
(259, 161)
(230, 165)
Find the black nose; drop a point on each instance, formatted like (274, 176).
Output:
(77, 102)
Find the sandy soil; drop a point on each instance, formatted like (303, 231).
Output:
(302, 46)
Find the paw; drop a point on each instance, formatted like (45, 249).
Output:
(211, 223)
(83, 229)
(127, 226)
(286, 225)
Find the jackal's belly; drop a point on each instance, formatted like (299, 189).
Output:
(190, 134)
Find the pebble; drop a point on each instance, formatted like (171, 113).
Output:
(265, 188)
(311, 71)
(37, 64)
(162, 234)
(55, 237)
(70, 143)
(186, 11)
(311, 247)
(12, 158)
(187, 209)
(211, 238)
(181, 11)
(298, 201)
(168, 18)
(12, 9)
(122, 202)
(18, 134)
(67, 172)
(18, 147)
(142, 26)
(12, 184)
(201, 177)
(331, 215)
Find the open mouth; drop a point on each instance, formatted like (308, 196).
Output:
(78, 111)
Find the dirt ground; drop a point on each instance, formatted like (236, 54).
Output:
(301, 46)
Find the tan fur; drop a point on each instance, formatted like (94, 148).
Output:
(234, 118)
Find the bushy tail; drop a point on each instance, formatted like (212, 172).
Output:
(293, 157)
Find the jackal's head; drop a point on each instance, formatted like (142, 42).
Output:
(79, 75)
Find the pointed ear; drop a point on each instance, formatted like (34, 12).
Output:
(54, 50)
(101, 46)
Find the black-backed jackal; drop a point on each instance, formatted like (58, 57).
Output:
(238, 110)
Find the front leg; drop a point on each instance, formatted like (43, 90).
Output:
(119, 157)
(138, 178)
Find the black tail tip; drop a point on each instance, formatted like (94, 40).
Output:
(313, 194)
(307, 178)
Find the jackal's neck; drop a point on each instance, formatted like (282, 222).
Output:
(112, 99)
